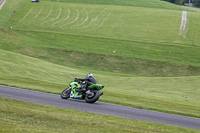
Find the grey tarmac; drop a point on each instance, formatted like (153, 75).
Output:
(98, 107)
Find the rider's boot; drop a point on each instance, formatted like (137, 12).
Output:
(83, 89)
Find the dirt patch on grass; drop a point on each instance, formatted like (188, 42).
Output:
(3, 30)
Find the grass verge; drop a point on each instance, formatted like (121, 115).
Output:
(169, 94)
(18, 116)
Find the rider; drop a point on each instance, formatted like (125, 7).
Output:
(89, 80)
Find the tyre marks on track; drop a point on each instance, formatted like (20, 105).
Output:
(93, 20)
(49, 13)
(56, 18)
(97, 21)
(26, 15)
(84, 20)
(30, 17)
(39, 12)
(47, 17)
(66, 18)
(71, 18)
(103, 21)
(74, 20)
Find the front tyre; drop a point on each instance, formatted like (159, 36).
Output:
(92, 97)
(66, 93)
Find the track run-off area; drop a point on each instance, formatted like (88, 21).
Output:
(98, 107)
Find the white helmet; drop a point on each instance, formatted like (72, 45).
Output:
(89, 75)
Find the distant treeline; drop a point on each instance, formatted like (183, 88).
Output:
(182, 2)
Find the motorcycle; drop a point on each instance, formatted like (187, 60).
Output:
(90, 95)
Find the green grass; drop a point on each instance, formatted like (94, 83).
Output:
(105, 59)
(135, 3)
(106, 21)
(143, 45)
(17, 116)
(100, 21)
(172, 95)
(51, 43)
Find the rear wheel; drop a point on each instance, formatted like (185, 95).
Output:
(92, 97)
(66, 93)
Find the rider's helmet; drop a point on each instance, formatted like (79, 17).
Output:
(89, 75)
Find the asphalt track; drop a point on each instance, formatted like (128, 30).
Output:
(98, 107)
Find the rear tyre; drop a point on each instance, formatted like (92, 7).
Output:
(66, 93)
(92, 97)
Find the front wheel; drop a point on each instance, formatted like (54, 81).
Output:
(92, 97)
(66, 93)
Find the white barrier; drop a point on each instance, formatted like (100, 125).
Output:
(1, 2)
(183, 22)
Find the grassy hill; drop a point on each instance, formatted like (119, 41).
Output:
(45, 45)
(154, 47)
(135, 3)
(174, 95)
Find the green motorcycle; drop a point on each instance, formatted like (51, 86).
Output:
(90, 95)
